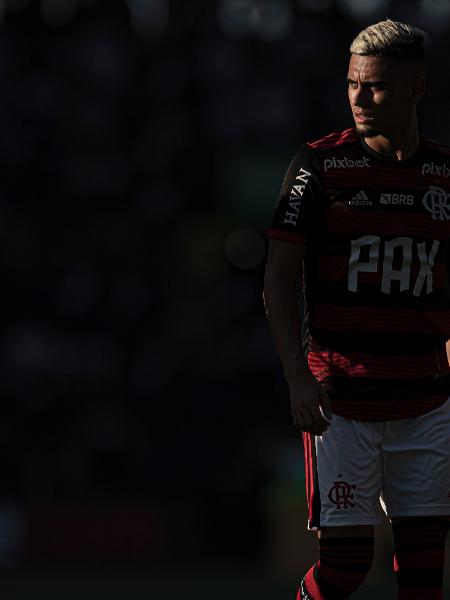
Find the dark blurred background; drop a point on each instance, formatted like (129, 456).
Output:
(145, 431)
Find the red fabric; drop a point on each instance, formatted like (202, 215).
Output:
(334, 139)
(312, 587)
(359, 364)
(342, 568)
(339, 222)
(309, 477)
(372, 319)
(348, 580)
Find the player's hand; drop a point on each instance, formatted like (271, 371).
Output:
(310, 405)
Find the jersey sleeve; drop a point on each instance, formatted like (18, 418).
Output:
(301, 200)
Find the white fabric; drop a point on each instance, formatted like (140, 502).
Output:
(402, 467)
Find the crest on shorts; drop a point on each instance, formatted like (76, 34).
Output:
(341, 494)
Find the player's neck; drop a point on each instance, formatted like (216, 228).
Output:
(400, 146)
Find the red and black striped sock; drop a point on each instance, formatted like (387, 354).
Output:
(419, 557)
(343, 566)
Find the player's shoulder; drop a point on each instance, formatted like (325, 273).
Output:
(336, 145)
(335, 140)
(333, 150)
(435, 147)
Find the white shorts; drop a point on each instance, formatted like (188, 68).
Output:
(358, 467)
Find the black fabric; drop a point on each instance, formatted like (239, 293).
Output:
(420, 537)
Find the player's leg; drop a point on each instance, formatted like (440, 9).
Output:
(420, 556)
(343, 477)
(416, 488)
(346, 555)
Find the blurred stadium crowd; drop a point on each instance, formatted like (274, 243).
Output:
(143, 143)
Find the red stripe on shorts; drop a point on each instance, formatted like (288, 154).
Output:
(312, 488)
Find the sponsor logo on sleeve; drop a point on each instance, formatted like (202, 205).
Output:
(434, 169)
(297, 190)
(345, 163)
(397, 199)
(436, 201)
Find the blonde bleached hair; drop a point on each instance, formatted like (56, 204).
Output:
(391, 38)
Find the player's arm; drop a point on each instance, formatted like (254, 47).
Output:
(283, 270)
(296, 214)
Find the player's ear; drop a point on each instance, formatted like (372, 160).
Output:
(418, 88)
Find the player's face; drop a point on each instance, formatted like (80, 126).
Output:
(382, 94)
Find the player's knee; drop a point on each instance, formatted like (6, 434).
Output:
(343, 566)
(346, 531)
(344, 562)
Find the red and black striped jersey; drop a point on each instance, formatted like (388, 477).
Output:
(377, 302)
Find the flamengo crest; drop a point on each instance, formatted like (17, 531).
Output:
(436, 201)
(341, 494)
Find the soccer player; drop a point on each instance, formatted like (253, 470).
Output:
(362, 229)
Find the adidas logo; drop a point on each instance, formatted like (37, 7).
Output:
(360, 199)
